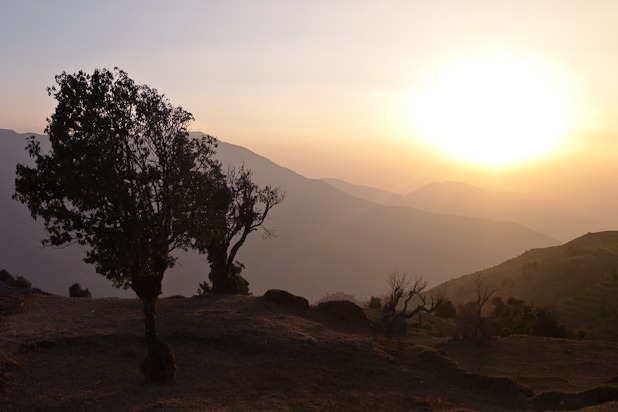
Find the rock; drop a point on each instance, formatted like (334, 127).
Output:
(283, 298)
(343, 310)
(161, 365)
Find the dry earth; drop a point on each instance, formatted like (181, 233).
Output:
(245, 353)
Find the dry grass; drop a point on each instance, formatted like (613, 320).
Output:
(243, 353)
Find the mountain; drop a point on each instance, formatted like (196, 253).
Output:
(456, 198)
(579, 279)
(368, 193)
(327, 240)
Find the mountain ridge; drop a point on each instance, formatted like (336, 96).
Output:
(327, 240)
(462, 199)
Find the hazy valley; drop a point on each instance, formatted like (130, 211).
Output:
(327, 240)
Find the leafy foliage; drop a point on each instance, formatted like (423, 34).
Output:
(242, 208)
(121, 177)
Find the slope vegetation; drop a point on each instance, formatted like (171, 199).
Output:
(579, 279)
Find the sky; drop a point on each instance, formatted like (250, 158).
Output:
(390, 94)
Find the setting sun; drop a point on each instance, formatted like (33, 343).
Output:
(493, 110)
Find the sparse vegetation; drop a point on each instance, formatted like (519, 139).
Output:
(519, 317)
(483, 294)
(16, 282)
(401, 290)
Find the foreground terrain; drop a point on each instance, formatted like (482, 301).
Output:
(245, 353)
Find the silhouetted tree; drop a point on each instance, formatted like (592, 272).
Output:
(400, 287)
(242, 208)
(76, 291)
(483, 294)
(123, 178)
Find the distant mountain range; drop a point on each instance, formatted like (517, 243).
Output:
(456, 198)
(328, 240)
(579, 279)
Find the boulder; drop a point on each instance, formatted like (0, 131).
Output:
(343, 310)
(283, 298)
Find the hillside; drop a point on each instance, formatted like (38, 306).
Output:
(578, 278)
(245, 353)
(327, 240)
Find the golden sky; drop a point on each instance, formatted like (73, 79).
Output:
(386, 94)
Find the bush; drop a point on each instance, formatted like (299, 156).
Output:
(76, 291)
(446, 310)
(6, 277)
(21, 282)
(520, 317)
(16, 282)
(375, 303)
(204, 288)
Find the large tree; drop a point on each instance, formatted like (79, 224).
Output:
(123, 178)
(242, 209)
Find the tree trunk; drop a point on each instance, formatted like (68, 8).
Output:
(223, 281)
(160, 365)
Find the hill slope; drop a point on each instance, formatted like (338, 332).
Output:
(578, 278)
(327, 240)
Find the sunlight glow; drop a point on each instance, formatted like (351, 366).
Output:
(494, 111)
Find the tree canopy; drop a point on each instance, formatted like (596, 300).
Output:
(242, 209)
(125, 179)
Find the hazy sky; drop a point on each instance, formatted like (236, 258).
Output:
(336, 88)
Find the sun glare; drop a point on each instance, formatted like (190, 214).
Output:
(493, 111)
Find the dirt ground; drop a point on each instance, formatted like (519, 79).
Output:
(244, 353)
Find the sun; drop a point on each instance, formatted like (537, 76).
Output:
(493, 110)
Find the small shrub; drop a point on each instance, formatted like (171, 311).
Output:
(204, 289)
(519, 316)
(375, 303)
(6, 277)
(21, 282)
(446, 310)
(76, 291)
